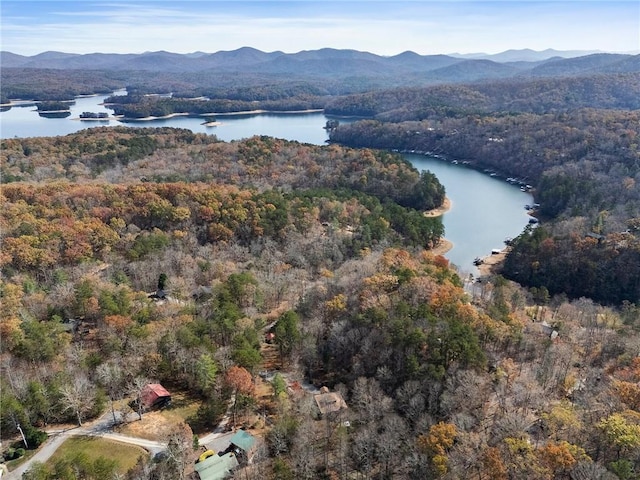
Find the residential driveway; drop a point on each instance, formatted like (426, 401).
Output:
(98, 428)
(45, 452)
(218, 442)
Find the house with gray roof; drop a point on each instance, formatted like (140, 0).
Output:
(216, 466)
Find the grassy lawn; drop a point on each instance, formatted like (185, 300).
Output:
(182, 407)
(158, 424)
(124, 454)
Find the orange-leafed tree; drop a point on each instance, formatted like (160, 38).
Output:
(437, 443)
(241, 382)
(493, 465)
(560, 457)
(629, 393)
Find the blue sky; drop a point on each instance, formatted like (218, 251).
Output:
(382, 27)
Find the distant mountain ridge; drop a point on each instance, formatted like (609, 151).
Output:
(329, 62)
(525, 55)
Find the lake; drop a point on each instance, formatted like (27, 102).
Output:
(485, 210)
(25, 122)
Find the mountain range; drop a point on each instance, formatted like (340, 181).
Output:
(335, 63)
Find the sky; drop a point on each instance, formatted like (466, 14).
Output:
(377, 26)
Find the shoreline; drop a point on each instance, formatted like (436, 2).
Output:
(105, 119)
(443, 247)
(258, 112)
(225, 114)
(441, 210)
(122, 118)
(54, 111)
(491, 264)
(19, 103)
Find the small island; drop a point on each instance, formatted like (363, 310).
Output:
(53, 109)
(211, 121)
(94, 116)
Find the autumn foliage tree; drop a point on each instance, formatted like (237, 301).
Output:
(436, 444)
(241, 383)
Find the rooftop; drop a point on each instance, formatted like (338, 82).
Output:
(243, 440)
(329, 402)
(216, 467)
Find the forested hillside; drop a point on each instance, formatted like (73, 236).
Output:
(248, 74)
(545, 95)
(574, 140)
(140, 106)
(245, 275)
(137, 255)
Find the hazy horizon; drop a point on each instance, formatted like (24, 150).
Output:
(381, 27)
(200, 52)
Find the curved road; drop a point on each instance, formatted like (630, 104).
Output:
(99, 428)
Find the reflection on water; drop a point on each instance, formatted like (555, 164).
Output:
(485, 210)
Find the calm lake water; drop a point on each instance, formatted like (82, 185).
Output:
(485, 210)
(25, 122)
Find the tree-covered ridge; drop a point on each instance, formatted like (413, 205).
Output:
(524, 145)
(121, 154)
(56, 85)
(514, 95)
(140, 106)
(604, 267)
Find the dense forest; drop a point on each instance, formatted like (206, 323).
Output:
(544, 95)
(442, 378)
(138, 255)
(48, 84)
(136, 106)
(580, 154)
(56, 85)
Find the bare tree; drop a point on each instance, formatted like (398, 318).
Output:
(410, 400)
(111, 377)
(303, 453)
(390, 444)
(591, 471)
(363, 450)
(78, 396)
(135, 388)
(180, 449)
(370, 400)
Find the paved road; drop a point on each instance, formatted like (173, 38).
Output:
(45, 452)
(102, 428)
(98, 428)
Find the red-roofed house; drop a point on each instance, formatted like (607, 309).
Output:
(155, 395)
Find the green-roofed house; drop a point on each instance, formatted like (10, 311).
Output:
(244, 445)
(217, 467)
